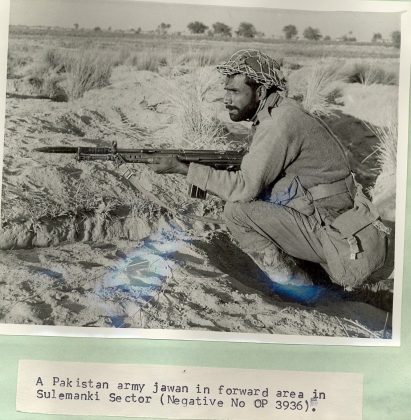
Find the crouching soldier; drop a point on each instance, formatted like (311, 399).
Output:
(293, 185)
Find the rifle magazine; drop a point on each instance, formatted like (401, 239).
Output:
(195, 192)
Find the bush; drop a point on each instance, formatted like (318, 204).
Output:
(197, 27)
(246, 30)
(222, 29)
(290, 31)
(312, 34)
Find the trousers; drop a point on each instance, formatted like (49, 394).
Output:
(259, 226)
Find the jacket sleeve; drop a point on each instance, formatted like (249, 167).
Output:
(273, 149)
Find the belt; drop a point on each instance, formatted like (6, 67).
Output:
(305, 204)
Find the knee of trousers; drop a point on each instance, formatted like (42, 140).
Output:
(230, 210)
(234, 214)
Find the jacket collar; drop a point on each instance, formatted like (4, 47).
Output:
(265, 107)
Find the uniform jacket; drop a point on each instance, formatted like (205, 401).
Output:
(288, 145)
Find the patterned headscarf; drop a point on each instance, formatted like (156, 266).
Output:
(257, 66)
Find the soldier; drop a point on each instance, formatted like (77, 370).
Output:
(294, 178)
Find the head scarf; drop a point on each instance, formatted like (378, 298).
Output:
(257, 66)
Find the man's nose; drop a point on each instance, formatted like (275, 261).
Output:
(227, 98)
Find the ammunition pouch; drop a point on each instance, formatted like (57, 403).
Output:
(355, 242)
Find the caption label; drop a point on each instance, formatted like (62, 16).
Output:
(186, 392)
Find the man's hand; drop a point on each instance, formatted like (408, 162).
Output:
(168, 165)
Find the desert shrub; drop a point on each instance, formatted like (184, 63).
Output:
(322, 90)
(368, 73)
(87, 69)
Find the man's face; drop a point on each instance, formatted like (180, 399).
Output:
(240, 99)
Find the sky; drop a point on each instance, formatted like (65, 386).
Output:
(129, 14)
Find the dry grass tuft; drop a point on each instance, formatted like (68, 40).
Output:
(200, 57)
(200, 128)
(386, 153)
(368, 73)
(62, 76)
(87, 69)
(15, 64)
(121, 56)
(54, 60)
(322, 90)
(155, 59)
(150, 60)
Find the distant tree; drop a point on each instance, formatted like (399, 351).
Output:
(327, 38)
(163, 28)
(138, 30)
(290, 31)
(76, 26)
(376, 37)
(348, 38)
(396, 39)
(97, 29)
(246, 30)
(222, 29)
(197, 27)
(313, 34)
(109, 28)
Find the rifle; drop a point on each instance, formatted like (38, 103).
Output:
(218, 159)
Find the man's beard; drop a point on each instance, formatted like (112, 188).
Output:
(243, 114)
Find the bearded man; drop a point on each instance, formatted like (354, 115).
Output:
(294, 178)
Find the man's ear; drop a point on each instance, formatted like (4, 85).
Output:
(261, 92)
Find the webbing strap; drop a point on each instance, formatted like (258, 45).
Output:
(327, 190)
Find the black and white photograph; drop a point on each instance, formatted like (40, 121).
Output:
(205, 171)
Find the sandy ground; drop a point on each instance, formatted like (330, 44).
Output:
(124, 262)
